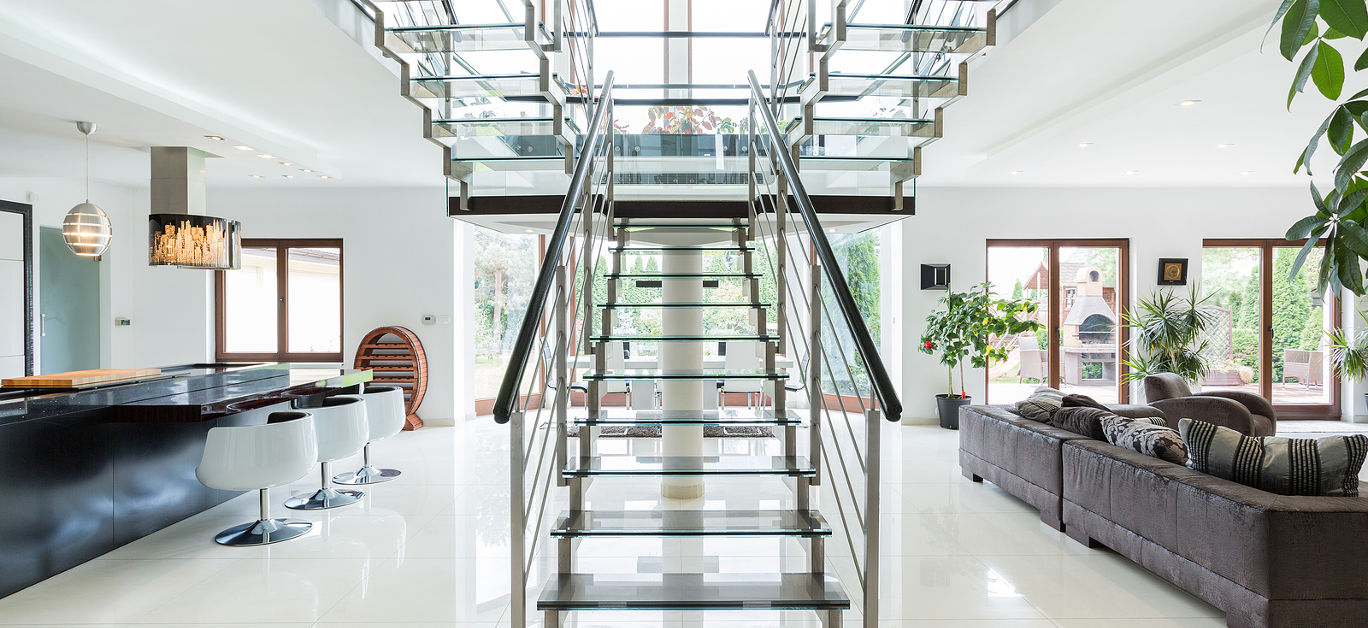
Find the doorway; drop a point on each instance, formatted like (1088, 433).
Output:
(1081, 287)
(68, 305)
(1270, 334)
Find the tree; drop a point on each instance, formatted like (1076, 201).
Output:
(964, 325)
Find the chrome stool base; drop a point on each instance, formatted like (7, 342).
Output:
(263, 532)
(323, 499)
(366, 475)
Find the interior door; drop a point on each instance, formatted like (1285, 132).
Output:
(15, 327)
(69, 306)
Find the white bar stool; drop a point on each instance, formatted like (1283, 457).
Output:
(258, 457)
(340, 425)
(385, 413)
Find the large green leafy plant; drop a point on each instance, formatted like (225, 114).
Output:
(1169, 335)
(1308, 28)
(1349, 352)
(963, 326)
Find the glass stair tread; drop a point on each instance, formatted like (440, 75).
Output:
(663, 248)
(457, 38)
(637, 466)
(509, 163)
(849, 162)
(964, 40)
(726, 275)
(880, 127)
(489, 86)
(683, 591)
(653, 225)
(691, 523)
(686, 305)
(729, 416)
(494, 127)
(862, 85)
(684, 338)
(702, 375)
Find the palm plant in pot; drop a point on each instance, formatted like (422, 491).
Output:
(1349, 353)
(1170, 335)
(962, 329)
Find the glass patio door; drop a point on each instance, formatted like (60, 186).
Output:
(1270, 337)
(1080, 287)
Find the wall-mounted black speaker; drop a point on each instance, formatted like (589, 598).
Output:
(935, 276)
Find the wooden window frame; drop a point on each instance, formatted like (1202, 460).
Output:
(281, 245)
(1265, 246)
(1123, 300)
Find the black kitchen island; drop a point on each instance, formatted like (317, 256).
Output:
(83, 471)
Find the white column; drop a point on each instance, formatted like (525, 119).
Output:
(682, 356)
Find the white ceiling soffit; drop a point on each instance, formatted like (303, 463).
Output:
(1090, 95)
(277, 76)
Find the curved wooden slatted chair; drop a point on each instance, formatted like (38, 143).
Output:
(396, 356)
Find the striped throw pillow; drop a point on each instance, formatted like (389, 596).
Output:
(1327, 466)
(1041, 404)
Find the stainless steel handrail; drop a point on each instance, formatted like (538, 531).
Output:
(869, 353)
(522, 347)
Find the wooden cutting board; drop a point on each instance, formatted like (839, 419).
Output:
(78, 378)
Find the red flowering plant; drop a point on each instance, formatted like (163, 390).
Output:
(961, 329)
(681, 120)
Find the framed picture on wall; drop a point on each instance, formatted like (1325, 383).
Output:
(1173, 271)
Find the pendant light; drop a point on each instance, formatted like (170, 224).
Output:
(86, 228)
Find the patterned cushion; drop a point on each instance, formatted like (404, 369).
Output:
(1088, 420)
(1076, 400)
(1148, 436)
(1327, 466)
(1041, 404)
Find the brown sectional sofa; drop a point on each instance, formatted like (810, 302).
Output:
(1265, 559)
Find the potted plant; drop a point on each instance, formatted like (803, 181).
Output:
(1170, 334)
(962, 329)
(1349, 354)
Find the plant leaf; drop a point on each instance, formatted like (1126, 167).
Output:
(1303, 227)
(1330, 32)
(1350, 164)
(1301, 257)
(1296, 24)
(1350, 274)
(1361, 64)
(1341, 130)
(1353, 200)
(1282, 10)
(1355, 237)
(1346, 16)
(1329, 71)
(1304, 71)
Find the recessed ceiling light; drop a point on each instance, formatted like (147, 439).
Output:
(287, 163)
(1246, 172)
(254, 176)
(287, 176)
(1225, 146)
(241, 147)
(1017, 172)
(265, 156)
(831, 229)
(216, 138)
(324, 176)
(1131, 173)
(1189, 102)
(1084, 144)
(305, 170)
(527, 231)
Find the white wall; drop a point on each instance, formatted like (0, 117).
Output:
(399, 263)
(952, 226)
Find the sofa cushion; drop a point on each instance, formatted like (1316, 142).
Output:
(1149, 436)
(1081, 420)
(1326, 466)
(1041, 404)
(1075, 400)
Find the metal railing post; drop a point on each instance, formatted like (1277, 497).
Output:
(814, 373)
(517, 537)
(873, 426)
(562, 311)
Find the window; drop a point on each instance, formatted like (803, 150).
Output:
(1270, 334)
(284, 304)
(505, 269)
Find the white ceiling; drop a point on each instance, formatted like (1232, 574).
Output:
(280, 76)
(276, 75)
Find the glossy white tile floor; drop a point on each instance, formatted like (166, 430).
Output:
(430, 549)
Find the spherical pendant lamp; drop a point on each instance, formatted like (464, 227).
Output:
(86, 228)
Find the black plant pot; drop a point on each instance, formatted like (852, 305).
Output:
(949, 410)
